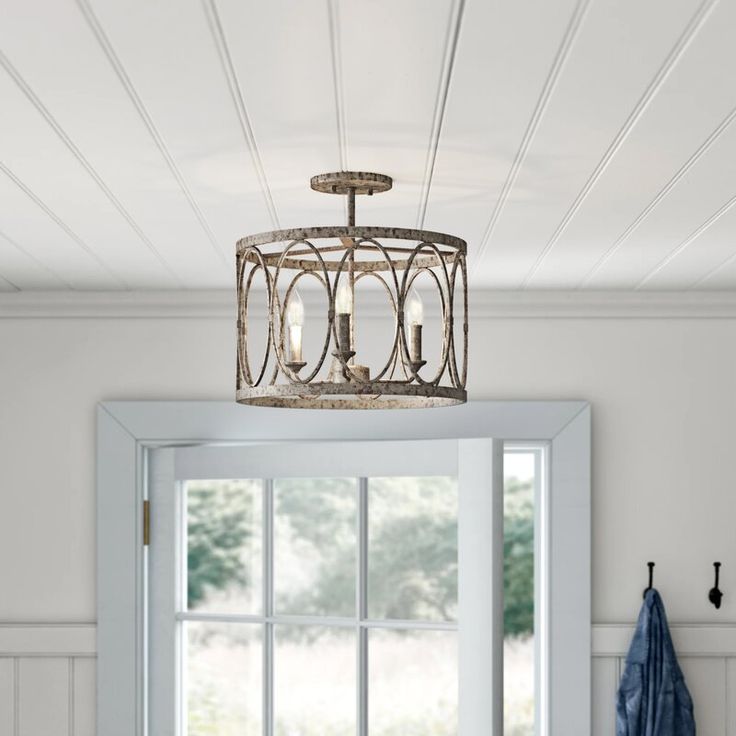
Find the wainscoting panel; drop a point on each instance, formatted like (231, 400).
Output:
(707, 655)
(7, 697)
(47, 677)
(47, 680)
(605, 672)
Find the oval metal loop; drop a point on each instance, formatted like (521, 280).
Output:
(243, 297)
(275, 312)
(292, 285)
(459, 378)
(395, 343)
(406, 284)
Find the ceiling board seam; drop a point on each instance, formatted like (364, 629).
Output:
(31, 96)
(13, 286)
(33, 258)
(333, 14)
(440, 106)
(127, 84)
(655, 85)
(78, 240)
(550, 83)
(713, 272)
(236, 94)
(687, 242)
(701, 151)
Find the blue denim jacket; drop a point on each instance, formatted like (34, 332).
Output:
(653, 699)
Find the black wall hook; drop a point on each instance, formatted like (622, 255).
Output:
(651, 579)
(714, 595)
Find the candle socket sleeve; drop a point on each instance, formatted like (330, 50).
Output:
(415, 351)
(343, 332)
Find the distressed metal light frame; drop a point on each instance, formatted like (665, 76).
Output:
(332, 256)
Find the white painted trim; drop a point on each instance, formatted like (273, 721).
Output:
(316, 459)
(480, 549)
(484, 304)
(127, 429)
(690, 640)
(48, 640)
(569, 575)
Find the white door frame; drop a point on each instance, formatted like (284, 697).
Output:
(126, 429)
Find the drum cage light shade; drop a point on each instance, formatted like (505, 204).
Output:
(338, 258)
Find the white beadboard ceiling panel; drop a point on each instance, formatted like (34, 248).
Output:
(693, 109)
(393, 59)
(292, 107)
(618, 52)
(169, 66)
(19, 268)
(503, 78)
(126, 199)
(679, 223)
(38, 231)
(575, 144)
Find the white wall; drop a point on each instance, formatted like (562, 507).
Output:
(664, 409)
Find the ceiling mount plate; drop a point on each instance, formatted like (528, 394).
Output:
(342, 182)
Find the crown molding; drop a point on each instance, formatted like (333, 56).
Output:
(484, 304)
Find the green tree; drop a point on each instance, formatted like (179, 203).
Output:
(222, 517)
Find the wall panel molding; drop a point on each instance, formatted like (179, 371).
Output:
(608, 640)
(48, 640)
(690, 640)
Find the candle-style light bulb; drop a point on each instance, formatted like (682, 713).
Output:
(344, 299)
(415, 318)
(295, 321)
(344, 309)
(415, 308)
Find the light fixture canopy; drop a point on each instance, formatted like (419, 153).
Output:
(335, 260)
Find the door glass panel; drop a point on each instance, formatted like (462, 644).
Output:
(412, 548)
(223, 684)
(315, 546)
(315, 681)
(413, 683)
(224, 527)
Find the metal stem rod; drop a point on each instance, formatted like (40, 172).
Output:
(351, 266)
(351, 206)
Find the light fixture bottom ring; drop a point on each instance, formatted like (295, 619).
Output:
(371, 395)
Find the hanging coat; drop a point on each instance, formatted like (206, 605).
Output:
(653, 699)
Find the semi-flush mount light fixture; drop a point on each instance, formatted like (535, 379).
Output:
(339, 374)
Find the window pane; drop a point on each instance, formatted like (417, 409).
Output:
(315, 546)
(223, 684)
(519, 668)
(412, 548)
(412, 683)
(315, 688)
(224, 533)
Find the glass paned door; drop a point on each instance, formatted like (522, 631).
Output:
(297, 603)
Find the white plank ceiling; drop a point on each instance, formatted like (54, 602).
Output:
(575, 144)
